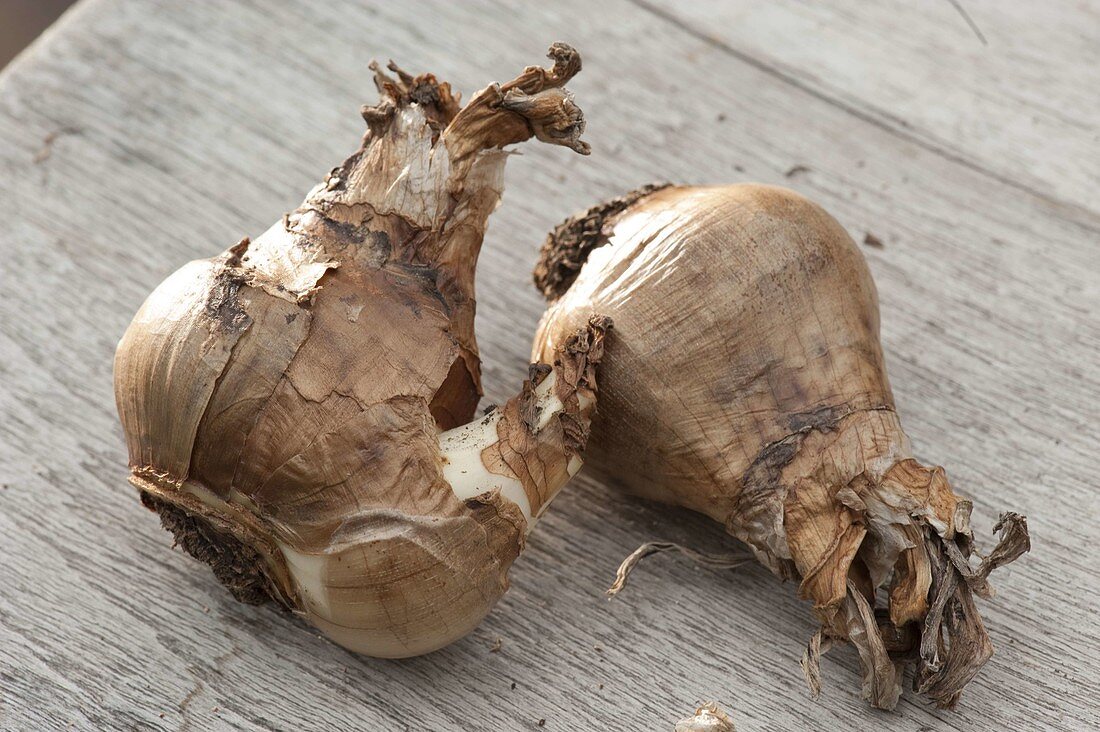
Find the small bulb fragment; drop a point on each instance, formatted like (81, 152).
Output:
(708, 718)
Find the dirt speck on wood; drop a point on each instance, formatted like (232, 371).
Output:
(872, 241)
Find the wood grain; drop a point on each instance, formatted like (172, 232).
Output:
(136, 136)
(1013, 97)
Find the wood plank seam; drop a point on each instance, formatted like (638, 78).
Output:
(882, 120)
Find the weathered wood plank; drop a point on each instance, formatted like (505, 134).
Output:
(1018, 102)
(137, 136)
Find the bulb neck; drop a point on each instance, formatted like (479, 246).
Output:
(857, 514)
(527, 450)
(832, 450)
(430, 173)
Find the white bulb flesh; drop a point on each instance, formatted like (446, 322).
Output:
(461, 449)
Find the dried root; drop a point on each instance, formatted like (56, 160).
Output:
(567, 247)
(717, 561)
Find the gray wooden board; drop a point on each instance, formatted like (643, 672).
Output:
(1015, 96)
(137, 135)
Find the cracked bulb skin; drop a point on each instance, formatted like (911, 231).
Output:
(294, 407)
(745, 380)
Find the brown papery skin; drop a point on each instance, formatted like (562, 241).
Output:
(283, 402)
(745, 380)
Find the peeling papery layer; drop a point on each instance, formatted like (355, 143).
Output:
(941, 636)
(852, 523)
(529, 448)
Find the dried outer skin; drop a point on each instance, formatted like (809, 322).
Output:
(282, 402)
(745, 380)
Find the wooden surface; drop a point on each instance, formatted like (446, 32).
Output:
(137, 135)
